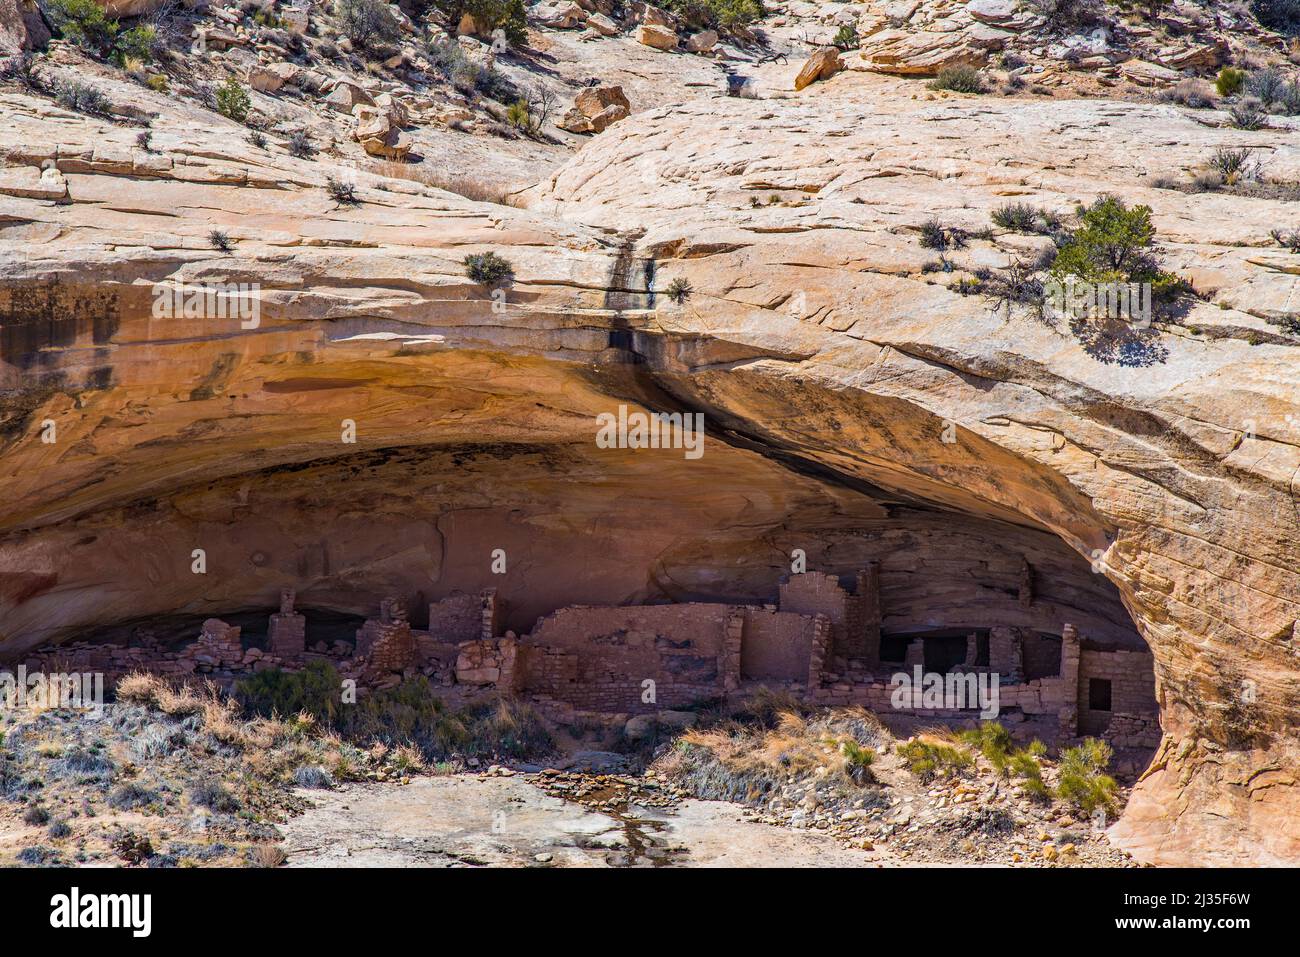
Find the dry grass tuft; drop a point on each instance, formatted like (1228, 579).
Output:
(139, 687)
(268, 855)
(470, 187)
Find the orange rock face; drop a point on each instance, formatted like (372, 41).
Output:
(356, 417)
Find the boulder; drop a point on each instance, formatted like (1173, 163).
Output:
(31, 182)
(919, 54)
(608, 116)
(640, 727)
(1148, 74)
(595, 109)
(596, 98)
(21, 27)
(602, 25)
(659, 37)
(650, 15)
(822, 65)
(560, 16)
(995, 12)
(264, 79)
(702, 42)
(346, 95)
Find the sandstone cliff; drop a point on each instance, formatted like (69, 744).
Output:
(827, 358)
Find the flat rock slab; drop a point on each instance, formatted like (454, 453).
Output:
(465, 820)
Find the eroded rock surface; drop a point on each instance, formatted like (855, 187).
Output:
(827, 361)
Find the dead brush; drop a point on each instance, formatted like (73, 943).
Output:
(139, 687)
(408, 758)
(179, 702)
(441, 178)
(268, 855)
(221, 720)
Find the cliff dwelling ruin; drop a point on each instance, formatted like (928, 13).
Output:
(827, 639)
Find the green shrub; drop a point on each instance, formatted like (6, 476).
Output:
(1020, 217)
(488, 269)
(489, 15)
(233, 100)
(1070, 15)
(679, 290)
(993, 741)
(367, 23)
(135, 44)
(85, 23)
(846, 37)
(1230, 81)
(518, 115)
(929, 759)
(716, 14)
(1113, 244)
(1083, 782)
(315, 689)
(958, 79)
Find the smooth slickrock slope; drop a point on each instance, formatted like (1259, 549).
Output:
(826, 360)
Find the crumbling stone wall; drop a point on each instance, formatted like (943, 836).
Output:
(776, 645)
(287, 633)
(461, 617)
(1132, 687)
(602, 658)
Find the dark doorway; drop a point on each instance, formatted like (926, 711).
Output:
(942, 653)
(1098, 694)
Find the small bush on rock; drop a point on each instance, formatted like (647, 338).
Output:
(958, 79)
(84, 23)
(1230, 81)
(488, 269)
(233, 101)
(1248, 116)
(343, 193)
(82, 97)
(1083, 781)
(1070, 15)
(367, 23)
(300, 145)
(1266, 85)
(716, 14)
